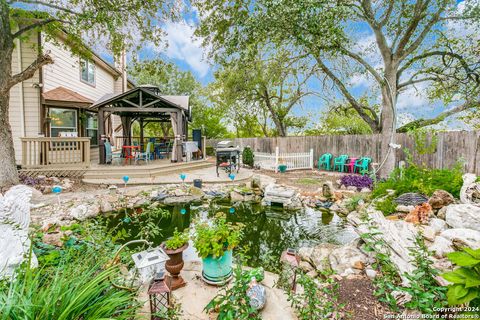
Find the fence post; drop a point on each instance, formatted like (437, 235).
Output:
(311, 158)
(277, 151)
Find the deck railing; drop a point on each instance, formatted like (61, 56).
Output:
(43, 153)
(295, 160)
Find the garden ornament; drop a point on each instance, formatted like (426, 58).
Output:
(14, 223)
(57, 190)
(257, 294)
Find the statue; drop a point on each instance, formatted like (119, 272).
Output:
(14, 223)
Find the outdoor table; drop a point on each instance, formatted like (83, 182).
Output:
(190, 147)
(129, 152)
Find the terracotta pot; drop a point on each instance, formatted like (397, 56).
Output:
(175, 265)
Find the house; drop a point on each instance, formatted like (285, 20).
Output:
(53, 115)
(54, 103)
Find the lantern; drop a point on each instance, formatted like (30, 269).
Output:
(150, 262)
(290, 262)
(159, 294)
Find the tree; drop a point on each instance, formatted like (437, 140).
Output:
(123, 23)
(270, 85)
(406, 44)
(173, 81)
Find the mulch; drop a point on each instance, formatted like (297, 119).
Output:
(356, 294)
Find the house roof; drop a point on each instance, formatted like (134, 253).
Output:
(65, 95)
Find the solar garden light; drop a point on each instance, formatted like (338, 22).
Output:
(57, 190)
(290, 262)
(150, 263)
(159, 294)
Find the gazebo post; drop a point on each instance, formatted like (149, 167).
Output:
(140, 121)
(101, 135)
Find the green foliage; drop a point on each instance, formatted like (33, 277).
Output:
(309, 181)
(232, 302)
(317, 301)
(465, 287)
(425, 140)
(386, 205)
(354, 202)
(247, 156)
(177, 240)
(216, 238)
(77, 288)
(427, 294)
(423, 180)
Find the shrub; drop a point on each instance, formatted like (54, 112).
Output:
(77, 288)
(358, 181)
(210, 150)
(386, 205)
(422, 180)
(177, 240)
(247, 156)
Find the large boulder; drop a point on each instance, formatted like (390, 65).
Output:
(438, 225)
(420, 214)
(462, 237)
(463, 216)
(347, 258)
(84, 211)
(318, 256)
(440, 199)
(441, 247)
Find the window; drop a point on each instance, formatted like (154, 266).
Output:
(62, 120)
(91, 127)
(87, 71)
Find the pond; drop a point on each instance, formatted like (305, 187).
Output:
(267, 232)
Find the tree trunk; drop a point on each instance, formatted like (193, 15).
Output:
(387, 123)
(8, 171)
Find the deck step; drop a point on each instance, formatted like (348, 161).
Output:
(143, 172)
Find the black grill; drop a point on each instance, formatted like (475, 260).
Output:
(228, 157)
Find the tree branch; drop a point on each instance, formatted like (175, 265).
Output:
(29, 71)
(362, 61)
(387, 13)
(50, 5)
(414, 81)
(420, 123)
(377, 30)
(36, 25)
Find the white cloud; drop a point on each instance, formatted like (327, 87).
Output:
(413, 97)
(183, 46)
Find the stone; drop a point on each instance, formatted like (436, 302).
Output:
(312, 274)
(182, 199)
(55, 180)
(347, 257)
(286, 196)
(261, 181)
(428, 232)
(404, 209)
(84, 211)
(470, 191)
(140, 203)
(438, 225)
(365, 190)
(442, 213)
(236, 196)
(420, 214)
(339, 209)
(14, 224)
(305, 266)
(317, 256)
(179, 193)
(105, 206)
(159, 196)
(463, 216)
(401, 297)
(441, 247)
(370, 273)
(328, 191)
(54, 239)
(440, 199)
(397, 235)
(461, 237)
(352, 188)
(411, 199)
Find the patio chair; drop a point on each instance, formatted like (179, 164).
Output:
(325, 161)
(351, 164)
(362, 165)
(145, 156)
(163, 150)
(340, 162)
(110, 156)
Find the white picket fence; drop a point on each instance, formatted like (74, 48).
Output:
(271, 161)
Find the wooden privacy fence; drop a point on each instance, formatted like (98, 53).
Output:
(296, 160)
(449, 147)
(55, 153)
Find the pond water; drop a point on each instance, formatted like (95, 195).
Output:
(268, 230)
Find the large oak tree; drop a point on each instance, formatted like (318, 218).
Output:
(122, 24)
(410, 44)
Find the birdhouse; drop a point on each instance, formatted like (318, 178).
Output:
(150, 262)
(159, 295)
(290, 262)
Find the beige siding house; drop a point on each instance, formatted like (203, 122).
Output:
(54, 102)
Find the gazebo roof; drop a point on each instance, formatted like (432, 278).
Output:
(143, 101)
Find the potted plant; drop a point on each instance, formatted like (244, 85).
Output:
(174, 248)
(214, 243)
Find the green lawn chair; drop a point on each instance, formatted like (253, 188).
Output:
(340, 162)
(324, 161)
(362, 165)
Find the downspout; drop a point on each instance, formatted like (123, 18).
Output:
(20, 87)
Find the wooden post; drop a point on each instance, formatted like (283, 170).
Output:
(101, 136)
(311, 158)
(140, 121)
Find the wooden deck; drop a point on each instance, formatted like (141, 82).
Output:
(142, 170)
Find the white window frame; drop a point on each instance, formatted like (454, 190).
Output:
(88, 63)
(93, 114)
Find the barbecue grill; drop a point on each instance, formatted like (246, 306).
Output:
(228, 157)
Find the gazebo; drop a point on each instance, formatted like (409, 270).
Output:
(143, 104)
